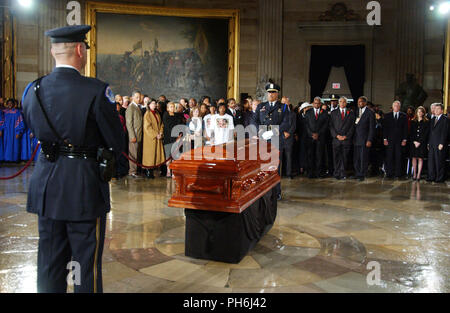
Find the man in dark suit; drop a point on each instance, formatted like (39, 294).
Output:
(66, 189)
(334, 105)
(395, 134)
(272, 114)
(238, 117)
(342, 128)
(437, 145)
(289, 141)
(363, 139)
(316, 125)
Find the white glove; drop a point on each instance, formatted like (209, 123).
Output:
(267, 135)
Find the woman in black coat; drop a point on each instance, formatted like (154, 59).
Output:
(418, 138)
(171, 119)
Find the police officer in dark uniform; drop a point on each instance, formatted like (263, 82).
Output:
(75, 119)
(273, 113)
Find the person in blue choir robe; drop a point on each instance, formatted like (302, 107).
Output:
(25, 141)
(33, 142)
(12, 132)
(2, 124)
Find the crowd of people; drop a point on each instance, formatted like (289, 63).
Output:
(148, 125)
(337, 140)
(17, 142)
(331, 139)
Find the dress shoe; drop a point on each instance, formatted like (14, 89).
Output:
(279, 198)
(149, 174)
(361, 179)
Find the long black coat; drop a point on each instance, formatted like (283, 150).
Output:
(420, 132)
(83, 111)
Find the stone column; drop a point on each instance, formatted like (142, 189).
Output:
(52, 14)
(410, 40)
(270, 42)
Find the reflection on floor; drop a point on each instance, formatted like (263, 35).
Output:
(329, 236)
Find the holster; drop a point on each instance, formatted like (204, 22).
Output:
(107, 164)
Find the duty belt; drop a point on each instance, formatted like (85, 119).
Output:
(78, 152)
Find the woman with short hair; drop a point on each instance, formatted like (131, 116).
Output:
(170, 120)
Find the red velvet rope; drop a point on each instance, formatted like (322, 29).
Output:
(25, 167)
(123, 153)
(143, 166)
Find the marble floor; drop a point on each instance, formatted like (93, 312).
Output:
(329, 236)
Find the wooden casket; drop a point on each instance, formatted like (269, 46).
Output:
(227, 194)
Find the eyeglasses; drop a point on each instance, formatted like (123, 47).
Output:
(272, 91)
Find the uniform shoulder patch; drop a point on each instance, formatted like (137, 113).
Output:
(110, 95)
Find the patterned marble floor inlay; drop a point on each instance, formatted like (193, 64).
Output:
(329, 236)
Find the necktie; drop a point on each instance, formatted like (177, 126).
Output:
(436, 119)
(317, 113)
(342, 114)
(360, 112)
(396, 116)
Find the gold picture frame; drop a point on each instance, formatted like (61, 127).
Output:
(447, 68)
(9, 55)
(92, 8)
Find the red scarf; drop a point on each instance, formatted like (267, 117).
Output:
(156, 116)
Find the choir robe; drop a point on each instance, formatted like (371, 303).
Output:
(25, 145)
(28, 145)
(2, 126)
(13, 126)
(34, 142)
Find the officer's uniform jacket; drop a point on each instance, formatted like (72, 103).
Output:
(272, 116)
(83, 112)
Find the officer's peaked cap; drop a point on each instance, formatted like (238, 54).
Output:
(76, 33)
(272, 87)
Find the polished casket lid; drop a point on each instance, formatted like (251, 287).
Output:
(226, 178)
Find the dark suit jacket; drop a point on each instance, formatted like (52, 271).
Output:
(365, 129)
(395, 131)
(319, 126)
(238, 118)
(292, 127)
(71, 189)
(439, 133)
(341, 127)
